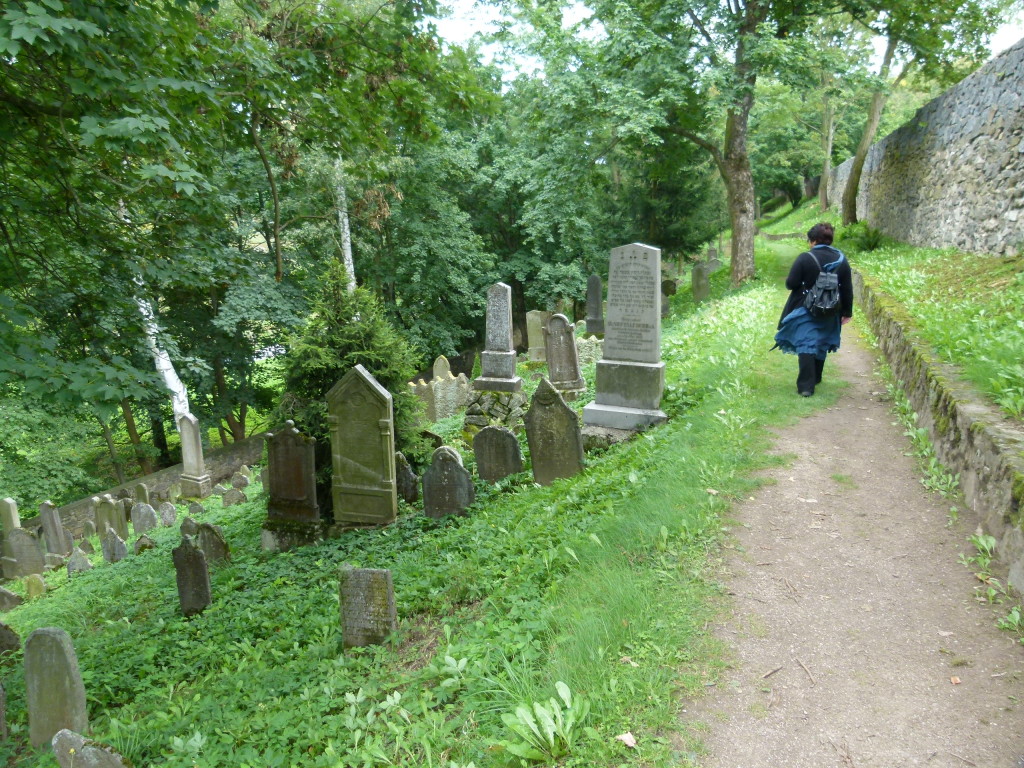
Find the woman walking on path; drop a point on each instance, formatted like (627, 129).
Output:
(812, 338)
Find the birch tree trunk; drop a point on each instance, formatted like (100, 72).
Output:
(344, 229)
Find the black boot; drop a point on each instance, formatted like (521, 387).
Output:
(808, 375)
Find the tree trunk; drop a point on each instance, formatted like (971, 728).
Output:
(519, 338)
(828, 132)
(236, 427)
(878, 99)
(344, 227)
(115, 459)
(159, 437)
(133, 434)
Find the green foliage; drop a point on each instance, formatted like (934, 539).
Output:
(548, 731)
(859, 238)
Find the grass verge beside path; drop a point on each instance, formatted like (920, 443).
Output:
(603, 583)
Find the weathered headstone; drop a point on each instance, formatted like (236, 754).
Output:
(55, 696)
(244, 470)
(368, 613)
(498, 360)
(563, 359)
(195, 509)
(144, 518)
(362, 427)
(86, 546)
(220, 489)
(10, 642)
(23, 554)
(292, 464)
(233, 497)
(700, 282)
(114, 548)
(88, 529)
(173, 492)
(631, 376)
(143, 543)
(53, 529)
(72, 750)
(497, 452)
(141, 493)
(9, 600)
(239, 481)
(553, 434)
(589, 350)
(193, 577)
(536, 322)
(425, 392)
(9, 517)
(53, 561)
(210, 539)
(595, 306)
(447, 485)
(669, 288)
(407, 482)
(189, 527)
(450, 392)
(110, 514)
(194, 479)
(78, 562)
(264, 478)
(35, 586)
(169, 513)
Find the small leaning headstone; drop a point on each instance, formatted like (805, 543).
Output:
(78, 562)
(55, 696)
(9, 600)
(35, 586)
(143, 543)
(233, 497)
(189, 527)
(368, 613)
(554, 436)
(10, 642)
(53, 530)
(114, 548)
(562, 356)
(497, 452)
(210, 539)
(447, 485)
(169, 513)
(72, 750)
(144, 518)
(193, 577)
(407, 481)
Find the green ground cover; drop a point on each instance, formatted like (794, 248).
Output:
(966, 306)
(579, 610)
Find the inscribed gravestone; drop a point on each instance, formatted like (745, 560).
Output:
(194, 479)
(189, 527)
(292, 464)
(700, 283)
(536, 322)
(192, 576)
(23, 554)
(141, 493)
(144, 518)
(78, 562)
(362, 427)
(73, 751)
(563, 358)
(553, 434)
(53, 529)
(368, 613)
(114, 548)
(169, 513)
(55, 696)
(497, 452)
(595, 305)
(210, 539)
(407, 482)
(631, 376)
(498, 360)
(447, 485)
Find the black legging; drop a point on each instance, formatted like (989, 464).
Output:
(810, 373)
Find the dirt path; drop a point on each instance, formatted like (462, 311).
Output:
(852, 615)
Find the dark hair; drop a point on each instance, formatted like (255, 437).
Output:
(821, 233)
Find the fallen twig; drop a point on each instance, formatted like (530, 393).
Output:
(769, 674)
(844, 753)
(813, 681)
(964, 759)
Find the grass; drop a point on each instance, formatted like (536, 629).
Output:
(604, 583)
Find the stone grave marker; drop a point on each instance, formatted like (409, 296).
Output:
(536, 322)
(210, 539)
(9, 600)
(425, 392)
(23, 554)
(53, 530)
(631, 375)
(88, 529)
(86, 546)
(553, 434)
(563, 359)
(595, 306)
(368, 613)
(9, 517)
(78, 562)
(141, 493)
(195, 509)
(244, 470)
(192, 576)
(114, 548)
(194, 479)
(169, 513)
(144, 518)
(173, 492)
(450, 392)
(233, 497)
(408, 483)
(589, 350)
(143, 543)
(362, 427)
(220, 489)
(189, 527)
(72, 750)
(239, 481)
(700, 282)
(498, 360)
(55, 696)
(35, 586)
(668, 290)
(52, 561)
(292, 464)
(447, 485)
(497, 452)
(10, 641)
(110, 514)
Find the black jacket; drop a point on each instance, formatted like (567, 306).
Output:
(805, 271)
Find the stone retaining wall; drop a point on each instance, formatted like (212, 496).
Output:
(953, 176)
(970, 437)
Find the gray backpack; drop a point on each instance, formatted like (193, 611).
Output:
(822, 298)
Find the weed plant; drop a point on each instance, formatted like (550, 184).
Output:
(546, 622)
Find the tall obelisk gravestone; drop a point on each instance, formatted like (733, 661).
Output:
(498, 360)
(630, 375)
